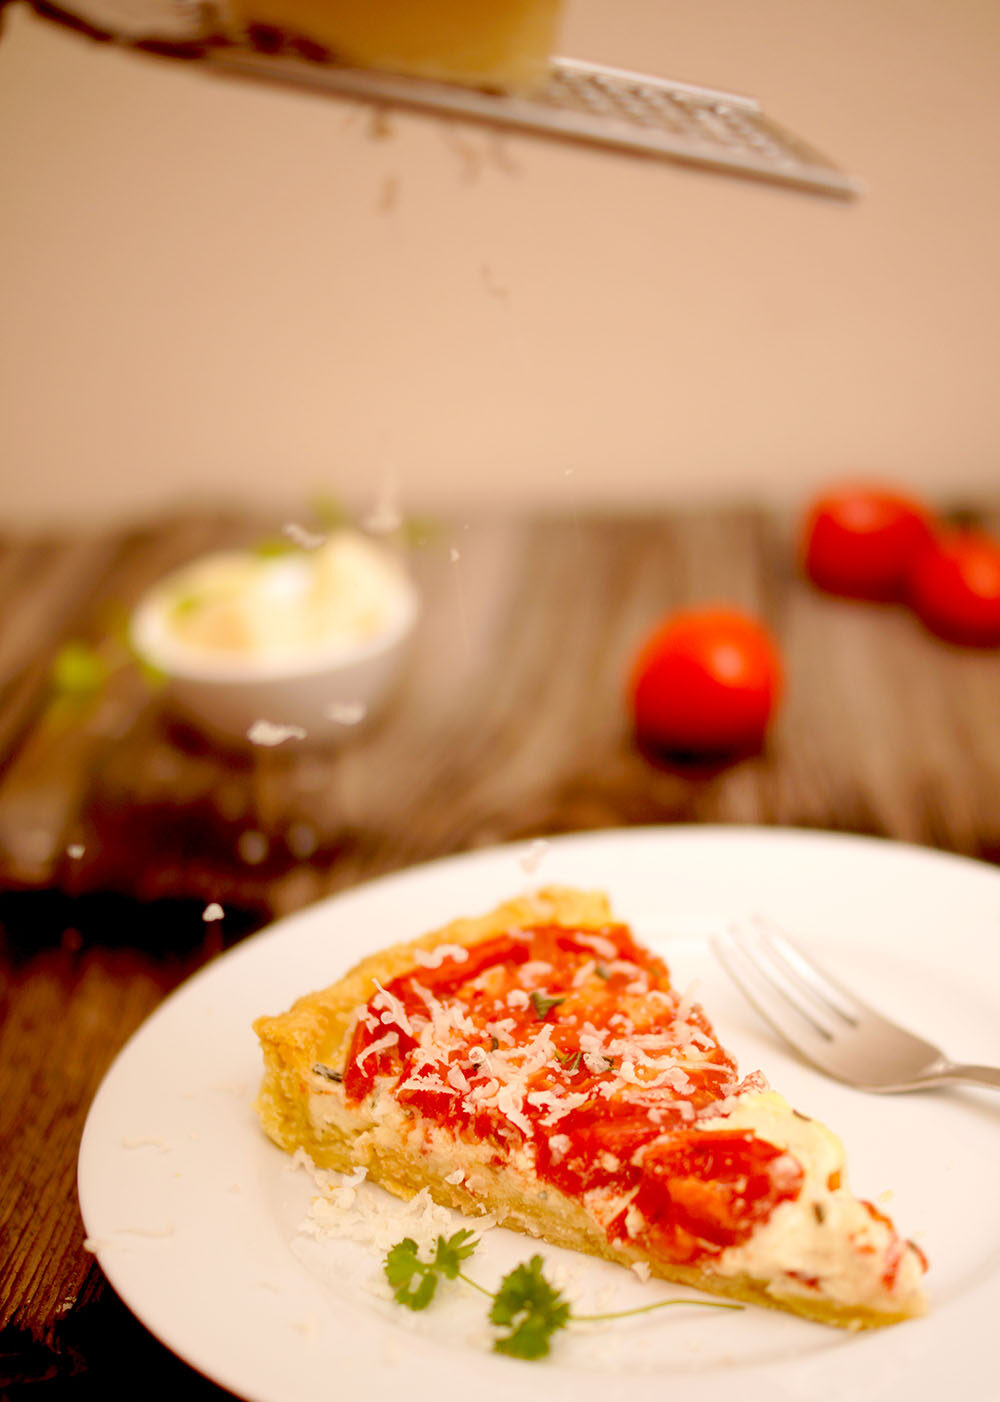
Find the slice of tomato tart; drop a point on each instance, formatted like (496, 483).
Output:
(537, 1064)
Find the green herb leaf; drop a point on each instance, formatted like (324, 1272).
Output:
(420, 1298)
(274, 546)
(526, 1306)
(328, 511)
(602, 972)
(420, 530)
(531, 1311)
(451, 1253)
(543, 1005)
(186, 604)
(568, 1059)
(78, 670)
(403, 1263)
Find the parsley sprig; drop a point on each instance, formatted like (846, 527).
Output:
(526, 1306)
(82, 670)
(530, 1309)
(403, 1265)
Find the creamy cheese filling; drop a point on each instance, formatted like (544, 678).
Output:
(825, 1240)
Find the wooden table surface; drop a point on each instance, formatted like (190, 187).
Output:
(510, 724)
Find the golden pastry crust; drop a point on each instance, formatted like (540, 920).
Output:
(302, 1107)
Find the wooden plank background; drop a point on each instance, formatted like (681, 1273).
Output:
(510, 724)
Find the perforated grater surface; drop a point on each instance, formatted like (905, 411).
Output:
(588, 103)
(582, 102)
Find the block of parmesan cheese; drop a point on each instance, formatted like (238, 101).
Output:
(496, 44)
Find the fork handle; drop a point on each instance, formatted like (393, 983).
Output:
(973, 1075)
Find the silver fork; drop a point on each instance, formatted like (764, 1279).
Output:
(828, 1024)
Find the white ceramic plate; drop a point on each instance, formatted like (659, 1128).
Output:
(193, 1213)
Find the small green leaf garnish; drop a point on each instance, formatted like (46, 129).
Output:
(78, 670)
(328, 1073)
(602, 972)
(451, 1253)
(403, 1263)
(526, 1305)
(543, 1005)
(81, 670)
(568, 1059)
(420, 530)
(529, 1309)
(186, 604)
(274, 546)
(328, 511)
(494, 1043)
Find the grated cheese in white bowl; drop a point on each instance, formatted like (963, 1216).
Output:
(264, 649)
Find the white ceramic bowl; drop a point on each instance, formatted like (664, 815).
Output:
(326, 693)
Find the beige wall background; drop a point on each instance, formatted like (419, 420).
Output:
(209, 290)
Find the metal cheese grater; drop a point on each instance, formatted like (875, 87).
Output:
(583, 102)
(589, 103)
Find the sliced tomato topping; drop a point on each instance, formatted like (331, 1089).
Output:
(498, 1047)
(704, 1190)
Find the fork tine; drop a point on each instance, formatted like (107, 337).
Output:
(796, 969)
(800, 1002)
(774, 1003)
(801, 992)
(811, 976)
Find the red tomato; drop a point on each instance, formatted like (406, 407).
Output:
(706, 681)
(955, 587)
(861, 541)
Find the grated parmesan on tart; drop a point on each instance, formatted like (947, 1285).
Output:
(536, 1064)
